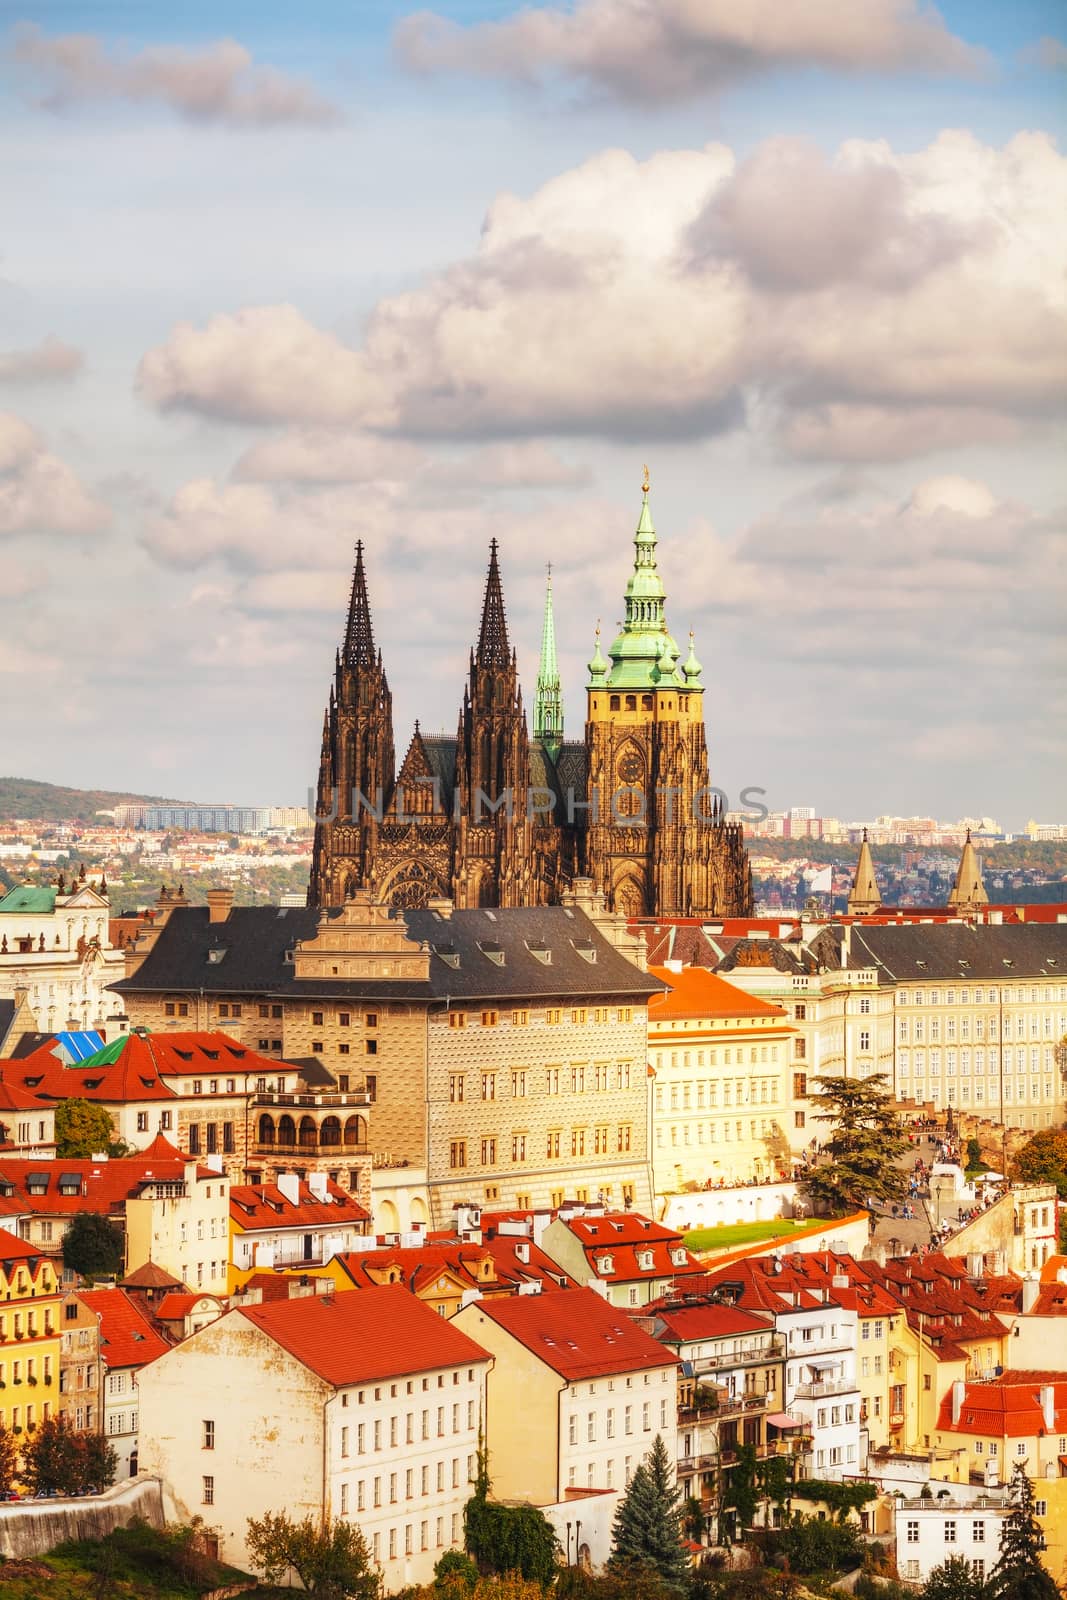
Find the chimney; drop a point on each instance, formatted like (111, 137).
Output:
(289, 1184)
(974, 1264)
(1048, 1406)
(958, 1388)
(1031, 1290)
(441, 904)
(316, 1182)
(219, 904)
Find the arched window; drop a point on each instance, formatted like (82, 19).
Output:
(330, 1130)
(287, 1132)
(615, 702)
(355, 1131)
(266, 1130)
(308, 1133)
(631, 702)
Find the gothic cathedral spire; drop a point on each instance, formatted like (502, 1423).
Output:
(359, 634)
(548, 706)
(864, 897)
(493, 648)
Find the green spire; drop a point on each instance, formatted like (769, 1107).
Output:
(644, 656)
(548, 706)
(692, 668)
(598, 666)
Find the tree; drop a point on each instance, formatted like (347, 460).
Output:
(329, 1558)
(58, 1460)
(1043, 1159)
(814, 1545)
(954, 1579)
(648, 1523)
(508, 1539)
(863, 1145)
(1018, 1574)
(741, 1497)
(9, 1459)
(85, 1129)
(92, 1246)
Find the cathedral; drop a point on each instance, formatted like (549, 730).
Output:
(495, 818)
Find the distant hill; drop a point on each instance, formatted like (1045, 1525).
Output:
(50, 802)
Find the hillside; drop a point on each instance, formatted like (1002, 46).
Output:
(27, 799)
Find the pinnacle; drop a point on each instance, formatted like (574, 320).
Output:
(359, 634)
(493, 647)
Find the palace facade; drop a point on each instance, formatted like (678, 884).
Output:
(495, 818)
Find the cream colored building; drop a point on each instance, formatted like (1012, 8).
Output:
(54, 944)
(595, 1389)
(363, 1406)
(183, 1225)
(978, 1011)
(719, 1062)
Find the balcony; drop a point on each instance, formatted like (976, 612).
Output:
(308, 1149)
(773, 1350)
(815, 1391)
(728, 1406)
(264, 1097)
(327, 1134)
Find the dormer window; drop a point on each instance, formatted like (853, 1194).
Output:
(216, 955)
(644, 1260)
(540, 952)
(587, 952)
(678, 1256)
(448, 954)
(492, 952)
(605, 1264)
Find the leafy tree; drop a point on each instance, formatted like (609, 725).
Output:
(455, 1574)
(59, 1460)
(92, 1246)
(508, 1539)
(954, 1579)
(648, 1523)
(1043, 1159)
(85, 1129)
(815, 1545)
(9, 1459)
(330, 1558)
(634, 1582)
(859, 1156)
(1018, 1574)
(974, 1155)
(775, 1478)
(741, 1497)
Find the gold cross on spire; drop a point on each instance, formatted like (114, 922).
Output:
(644, 486)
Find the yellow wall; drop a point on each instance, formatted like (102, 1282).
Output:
(29, 1344)
(522, 1443)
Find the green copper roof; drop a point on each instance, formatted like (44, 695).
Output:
(548, 706)
(644, 656)
(27, 898)
(108, 1054)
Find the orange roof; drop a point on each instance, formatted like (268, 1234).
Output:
(577, 1334)
(64, 1186)
(12, 1248)
(175, 1306)
(1008, 1406)
(421, 1265)
(1052, 1268)
(127, 1338)
(359, 1338)
(140, 1065)
(696, 992)
(264, 1206)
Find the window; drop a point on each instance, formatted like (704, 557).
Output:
(209, 1436)
(142, 1121)
(913, 1533)
(800, 1085)
(488, 1152)
(865, 1039)
(488, 1085)
(455, 1087)
(978, 1532)
(457, 1153)
(518, 1085)
(518, 1147)
(950, 1532)
(457, 1019)
(370, 1047)
(209, 1492)
(490, 1019)
(317, 1019)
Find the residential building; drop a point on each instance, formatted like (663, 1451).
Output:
(29, 1336)
(364, 1407)
(930, 1530)
(27, 1126)
(182, 1224)
(289, 1224)
(446, 1273)
(1010, 1417)
(630, 1259)
(128, 1342)
(978, 1012)
(54, 945)
(596, 1390)
(502, 1054)
(81, 1367)
(720, 1061)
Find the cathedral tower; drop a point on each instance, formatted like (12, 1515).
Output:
(548, 706)
(657, 841)
(356, 762)
(864, 897)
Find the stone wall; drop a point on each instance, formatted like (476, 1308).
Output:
(33, 1527)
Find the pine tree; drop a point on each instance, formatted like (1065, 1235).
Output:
(648, 1523)
(1018, 1574)
(862, 1147)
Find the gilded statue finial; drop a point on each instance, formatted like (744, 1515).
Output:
(644, 486)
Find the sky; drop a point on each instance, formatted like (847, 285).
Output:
(274, 279)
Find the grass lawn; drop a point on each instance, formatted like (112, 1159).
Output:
(741, 1233)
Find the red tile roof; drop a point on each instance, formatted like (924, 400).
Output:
(37, 1187)
(420, 1265)
(360, 1338)
(14, 1097)
(944, 1305)
(264, 1206)
(139, 1069)
(1008, 1407)
(127, 1338)
(625, 1237)
(12, 1248)
(173, 1307)
(696, 992)
(578, 1334)
(682, 1324)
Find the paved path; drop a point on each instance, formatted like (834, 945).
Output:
(895, 1234)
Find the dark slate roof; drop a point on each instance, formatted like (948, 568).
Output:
(483, 953)
(959, 951)
(7, 1017)
(572, 770)
(314, 1071)
(441, 754)
(254, 939)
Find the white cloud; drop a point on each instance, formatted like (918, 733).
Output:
(661, 50)
(39, 493)
(50, 361)
(324, 455)
(219, 83)
(875, 304)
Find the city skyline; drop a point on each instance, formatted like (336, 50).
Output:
(212, 385)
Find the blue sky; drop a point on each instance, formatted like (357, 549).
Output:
(423, 286)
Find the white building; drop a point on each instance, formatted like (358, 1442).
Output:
(55, 945)
(292, 1224)
(960, 1522)
(364, 1405)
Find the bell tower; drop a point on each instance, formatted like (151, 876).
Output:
(356, 763)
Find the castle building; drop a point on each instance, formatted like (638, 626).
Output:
(495, 818)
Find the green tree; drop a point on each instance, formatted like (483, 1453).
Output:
(92, 1246)
(330, 1558)
(775, 1478)
(858, 1158)
(1043, 1159)
(59, 1460)
(815, 1545)
(1018, 1574)
(954, 1579)
(99, 1463)
(85, 1129)
(508, 1539)
(9, 1459)
(648, 1523)
(741, 1497)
